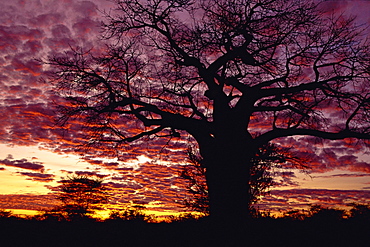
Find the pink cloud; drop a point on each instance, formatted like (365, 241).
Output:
(345, 175)
(45, 20)
(31, 66)
(286, 200)
(360, 167)
(86, 26)
(86, 9)
(331, 6)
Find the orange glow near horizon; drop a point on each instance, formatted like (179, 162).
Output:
(16, 184)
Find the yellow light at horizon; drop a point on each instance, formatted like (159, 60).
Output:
(11, 183)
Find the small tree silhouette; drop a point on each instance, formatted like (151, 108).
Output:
(80, 197)
(195, 174)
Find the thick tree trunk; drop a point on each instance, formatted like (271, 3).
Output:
(228, 181)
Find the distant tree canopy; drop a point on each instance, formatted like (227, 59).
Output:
(233, 74)
(80, 195)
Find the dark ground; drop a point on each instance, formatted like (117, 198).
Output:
(262, 232)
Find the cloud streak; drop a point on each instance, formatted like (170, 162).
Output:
(286, 200)
(23, 163)
(40, 177)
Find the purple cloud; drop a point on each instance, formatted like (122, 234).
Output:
(23, 163)
(41, 177)
(87, 173)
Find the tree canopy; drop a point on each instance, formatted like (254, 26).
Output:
(81, 196)
(234, 75)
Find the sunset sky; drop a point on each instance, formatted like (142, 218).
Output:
(35, 153)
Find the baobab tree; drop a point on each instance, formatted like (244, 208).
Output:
(233, 74)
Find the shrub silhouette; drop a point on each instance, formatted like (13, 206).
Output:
(360, 211)
(5, 214)
(185, 217)
(321, 213)
(131, 213)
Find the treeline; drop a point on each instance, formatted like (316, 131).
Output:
(136, 213)
(318, 226)
(73, 222)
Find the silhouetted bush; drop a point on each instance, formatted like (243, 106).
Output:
(5, 214)
(132, 213)
(186, 217)
(360, 212)
(318, 212)
(296, 215)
